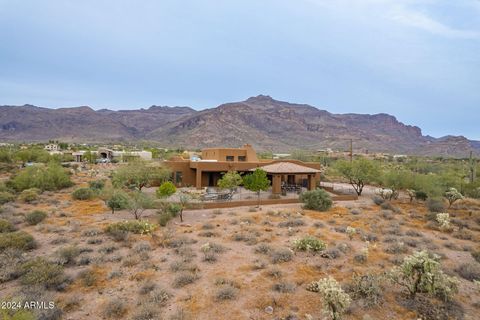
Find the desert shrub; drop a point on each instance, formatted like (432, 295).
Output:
(147, 311)
(283, 287)
(88, 278)
(166, 189)
(476, 255)
(184, 279)
(281, 255)
(263, 248)
(142, 246)
(163, 218)
(387, 205)
(97, 185)
(117, 201)
(83, 194)
(469, 271)
(67, 255)
(317, 199)
(91, 232)
(29, 195)
(114, 309)
(463, 234)
(291, 223)
(421, 195)
(6, 226)
(35, 217)
(421, 273)
(16, 240)
(335, 300)
(368, 288)
(226, 292)
(40, 271)
(6, 197)
(52, 177)
(133, 226)
(10, 262)
(396, 248)
(378, 200)
(309, 244)
(435, 205)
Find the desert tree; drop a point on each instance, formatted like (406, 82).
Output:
(230, 180)
(359, 172)
(256, 181)
(184, 202)
(138, 202)
(452, 195)
(117, 200)
(137, 175)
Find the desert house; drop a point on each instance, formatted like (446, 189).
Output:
(206, 170)
(109, 154)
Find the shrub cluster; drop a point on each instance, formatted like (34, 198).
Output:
(309, 244)
(52, 177)
(317, 199)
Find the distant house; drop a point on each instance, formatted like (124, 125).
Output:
(206, 170)
(52, 147)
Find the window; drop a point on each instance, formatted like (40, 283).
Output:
(242, 158)
(230, 158)
(178, 177)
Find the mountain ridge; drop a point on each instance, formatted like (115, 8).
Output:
(266, 123)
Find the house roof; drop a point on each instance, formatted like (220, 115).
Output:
(287, 168)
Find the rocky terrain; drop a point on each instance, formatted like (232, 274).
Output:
(266, 123)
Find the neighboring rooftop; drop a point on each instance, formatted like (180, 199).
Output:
(287, 168)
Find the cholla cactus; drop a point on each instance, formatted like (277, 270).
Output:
(444, 220)
(421, 272)
(206, 247)
(385, 193)
(411, 193)
(452, 195)
(351, 231)
(335, 300)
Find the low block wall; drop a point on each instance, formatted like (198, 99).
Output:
(254, 202)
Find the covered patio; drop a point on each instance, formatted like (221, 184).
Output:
(288, 176)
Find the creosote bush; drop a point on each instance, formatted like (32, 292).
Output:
(83, 194)
(6, 226)
(29, 195)
(335, 300)
(17, 240)
(317, 199)
(40, 271)
(309, 243)
(35, 217)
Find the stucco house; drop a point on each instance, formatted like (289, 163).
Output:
(206, 170)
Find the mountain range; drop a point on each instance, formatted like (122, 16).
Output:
(262, 121)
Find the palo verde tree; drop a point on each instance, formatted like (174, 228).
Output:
(137, 174)
(359, 172)
(138, 202)
(256, 181)
(230, 180)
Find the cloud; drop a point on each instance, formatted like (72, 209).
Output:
(425, 22)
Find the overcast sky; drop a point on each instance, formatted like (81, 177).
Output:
(416, 59)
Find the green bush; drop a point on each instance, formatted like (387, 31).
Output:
(435, 205)
(16, 240)
(133, 226)
(317, 199)
(29, 195)
(52, 177)
(5, 197)
(309, 244)
(117, 201)
(40, 271)
(166, 190)
(35, 217)
(83, 194)
(97, 185)
(6, 226)
(421, 195)
(163, 218)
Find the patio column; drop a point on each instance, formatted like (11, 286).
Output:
(276, 183)
(198, 180)
(311, 182)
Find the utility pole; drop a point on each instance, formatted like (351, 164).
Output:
(473, 168)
